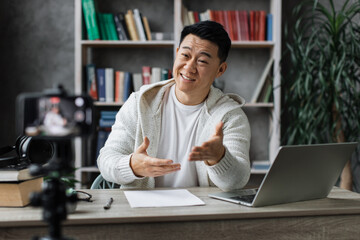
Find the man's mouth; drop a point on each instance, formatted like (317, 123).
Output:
(186, 78)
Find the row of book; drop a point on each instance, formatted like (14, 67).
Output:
(241, 25)
(109, 85)
(119, 26)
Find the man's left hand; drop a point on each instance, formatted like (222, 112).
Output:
(211, 151)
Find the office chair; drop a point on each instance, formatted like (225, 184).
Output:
(101, 183)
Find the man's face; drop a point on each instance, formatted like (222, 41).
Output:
(195, 68)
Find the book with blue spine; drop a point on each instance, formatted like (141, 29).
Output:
(100, 74)
(269, 27)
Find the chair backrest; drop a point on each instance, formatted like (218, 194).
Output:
(101, 183)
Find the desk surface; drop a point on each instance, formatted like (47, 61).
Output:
(339, 202)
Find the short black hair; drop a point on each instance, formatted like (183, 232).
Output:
(213, 32)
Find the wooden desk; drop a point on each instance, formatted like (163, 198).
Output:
(335, 217)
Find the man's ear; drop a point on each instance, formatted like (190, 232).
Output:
(222, 69)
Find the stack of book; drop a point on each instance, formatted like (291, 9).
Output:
(16, 187)
(109, 85)
(130, 25)
(241, 25)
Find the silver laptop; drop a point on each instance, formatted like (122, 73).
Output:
(299, 173)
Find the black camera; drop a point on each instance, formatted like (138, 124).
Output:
(54, 115)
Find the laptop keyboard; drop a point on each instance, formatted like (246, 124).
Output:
(246, 198)
(245, 195)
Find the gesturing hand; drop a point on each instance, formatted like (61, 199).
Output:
(211, 151)
(145, 166)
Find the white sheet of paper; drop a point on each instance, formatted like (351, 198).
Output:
(162, 198)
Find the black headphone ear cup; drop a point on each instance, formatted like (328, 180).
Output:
(23, 146)
(39, 151)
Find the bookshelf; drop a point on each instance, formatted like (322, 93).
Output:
(246, 61)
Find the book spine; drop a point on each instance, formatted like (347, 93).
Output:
(146, 74)
(262, 23)
(91, 81)
(119, 86)
(102, 26)
(127, 86)
(137, 81)
(109, 84)
(147, 28)
(100, 73)
(90, 19)
(124, 29)
(155, 74)
(130, 24)
(252, 25)
(139, 25)
(112, 26)
(269, 27)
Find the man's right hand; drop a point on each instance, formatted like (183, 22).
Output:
(145, 166)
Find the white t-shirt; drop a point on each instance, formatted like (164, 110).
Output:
(177, 137)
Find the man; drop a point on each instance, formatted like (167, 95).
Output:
(182, 132)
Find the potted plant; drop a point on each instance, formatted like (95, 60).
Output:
(321, 91)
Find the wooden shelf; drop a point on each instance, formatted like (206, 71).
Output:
(89, 169)
(111, 44)
(109, 104)
(252, 44)
(262, 105)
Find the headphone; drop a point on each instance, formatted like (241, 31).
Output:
(28, 150)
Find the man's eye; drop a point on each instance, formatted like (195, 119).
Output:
(202, 61)
(185, 55)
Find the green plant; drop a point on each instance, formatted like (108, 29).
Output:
(322, 88)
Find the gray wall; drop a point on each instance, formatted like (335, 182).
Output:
(37, 52)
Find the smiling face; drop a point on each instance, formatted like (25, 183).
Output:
(195, 68)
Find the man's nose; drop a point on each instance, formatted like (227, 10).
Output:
(191, 65)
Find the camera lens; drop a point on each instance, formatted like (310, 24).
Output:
(40, 151)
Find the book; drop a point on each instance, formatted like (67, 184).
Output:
(137, 81)
(102, 26)
(16, 194)
(119, 86)
(131, 26)
(139, 25)
(128, 86)
(262, 80)
(269, 27)
(252, 25)
(110, 23)
(146, 74)
(122, 23)
(147, 28)
(100, 76)
(12, 174)
(108, 114)
(90, 18)
(91, 81)
(262, 23)
(164, 74)
(109, 84)
(155, 74)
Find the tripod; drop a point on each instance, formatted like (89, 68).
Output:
(53, 196)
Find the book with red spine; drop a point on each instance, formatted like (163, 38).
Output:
(146, 74)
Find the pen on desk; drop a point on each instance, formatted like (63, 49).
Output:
(108, 204)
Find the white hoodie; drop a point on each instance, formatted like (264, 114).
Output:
(140, 116)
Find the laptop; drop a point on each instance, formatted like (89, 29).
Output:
(299, 173)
